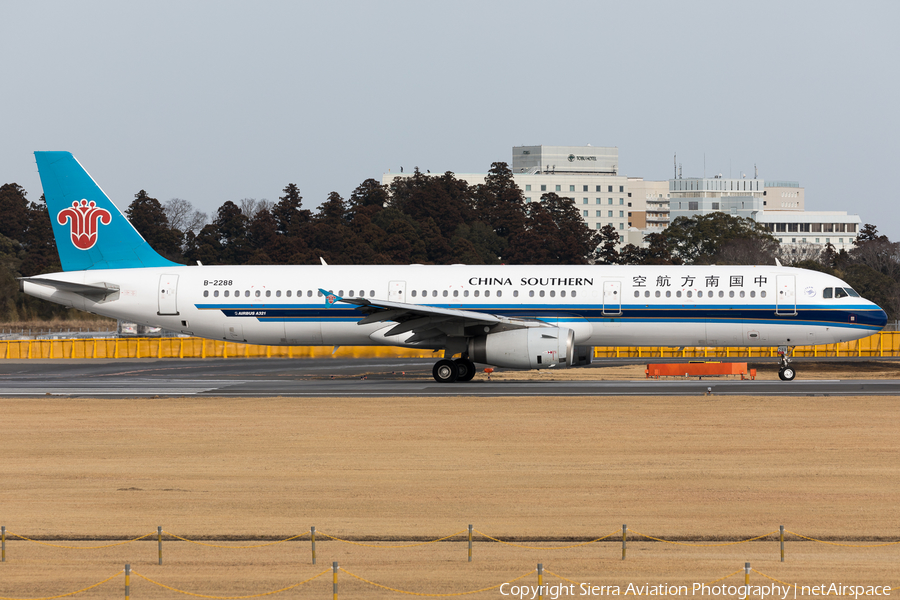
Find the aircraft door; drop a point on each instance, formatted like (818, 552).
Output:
(785, 295)
(612, 298)
(168, 298)
(397, 291)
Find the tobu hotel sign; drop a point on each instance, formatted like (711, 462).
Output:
(573, 158)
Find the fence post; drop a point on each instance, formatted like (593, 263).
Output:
(624, 531)
(312, 536)
(782, 542)
(159, 541)
(746, 580)
(470, 542)
(540, 580)
(334, 568)
(127, 582)
(3, 552)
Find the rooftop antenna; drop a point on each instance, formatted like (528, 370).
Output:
(704, 165)
(675, 164)
(755, 172)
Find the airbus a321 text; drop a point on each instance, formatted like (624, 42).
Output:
(519, 317)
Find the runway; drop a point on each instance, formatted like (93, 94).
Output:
(343, 378)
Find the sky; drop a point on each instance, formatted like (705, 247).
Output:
(224, 100)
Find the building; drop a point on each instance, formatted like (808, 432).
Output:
(636, 207)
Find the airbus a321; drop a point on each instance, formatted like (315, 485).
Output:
(517, 317)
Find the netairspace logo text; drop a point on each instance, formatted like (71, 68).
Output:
(762, 592)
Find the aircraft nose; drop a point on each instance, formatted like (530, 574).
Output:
(880, 318)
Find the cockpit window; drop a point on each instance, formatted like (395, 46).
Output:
(840, 293)
(828, 293)
(852, 292)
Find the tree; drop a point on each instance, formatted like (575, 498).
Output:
(499, 202)
(607, 252)
(149, 218)
(554, 233)
(14, 208)
(231, 232)
(699, 239)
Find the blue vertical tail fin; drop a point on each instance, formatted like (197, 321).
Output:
(90, 231)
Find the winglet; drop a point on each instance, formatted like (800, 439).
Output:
(330, 297)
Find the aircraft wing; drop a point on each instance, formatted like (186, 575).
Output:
(430, 322)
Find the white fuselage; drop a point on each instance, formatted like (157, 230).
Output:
(603, 305)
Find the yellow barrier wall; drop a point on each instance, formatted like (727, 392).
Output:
(883, 344)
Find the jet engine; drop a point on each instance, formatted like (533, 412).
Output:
(531, 348)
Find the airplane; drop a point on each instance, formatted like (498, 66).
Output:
(510, 316)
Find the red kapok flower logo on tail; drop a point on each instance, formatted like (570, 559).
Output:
(84, 217)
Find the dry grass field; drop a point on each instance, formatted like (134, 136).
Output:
(708, 469)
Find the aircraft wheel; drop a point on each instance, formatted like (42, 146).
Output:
(445, 371)
(787, 374)
(466, 369)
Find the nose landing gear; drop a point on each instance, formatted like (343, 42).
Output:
(785, 371)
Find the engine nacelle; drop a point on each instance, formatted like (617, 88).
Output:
(531, 348)
(584, 355)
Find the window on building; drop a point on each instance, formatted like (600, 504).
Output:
(559, 188)
(585, 189)
(793, 227)
(693, 205)
(584, 201)
(621, 214)
(599, 213)
(571, 188)
(598, 226)
(621, 188)
(780, 227)
(609, 213)
(598, 201)
(621, 201)
(621, 226)
(543, 188)
(585, 213)
(599, 188)
(715, 206)
(610, 189)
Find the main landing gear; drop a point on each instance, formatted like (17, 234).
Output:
(785, 371)
(449, 371)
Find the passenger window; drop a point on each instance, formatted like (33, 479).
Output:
(657, 294)
(278, 294)
(247, 293)
(257, 293)
(413, 293)
(573, 293)
(742, 293)
(721, 294)
(840, 293)
(269, 293)
(319, 294)
(700, 294)
(288, 293)
(341, 293)
(553, 293)
(515, 293)
(668, 293)
(562, 294)
(541, 293)
(827, 293)
(226, 293)
(465, 293)
(646, 293)
(752, 294)
(456, 293)
(690, 293)
(445, 293)
(637, 294)
(678, 294)
(371, 292)
(206, 293)
(487, 293)
(216, 293)
(731, 293)
(499, 293)
(434, 293)
(531, 293)
(762, 294)
(477, 293)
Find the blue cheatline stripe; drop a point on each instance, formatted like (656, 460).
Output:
(811, 315)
